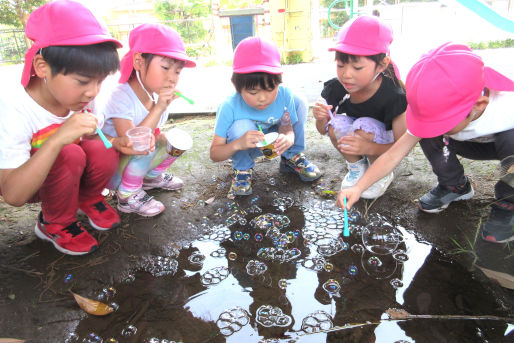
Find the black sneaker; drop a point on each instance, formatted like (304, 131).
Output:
(496, 262)
(441, 196)
(499, 228)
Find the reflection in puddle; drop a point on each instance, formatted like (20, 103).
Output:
(284, 273)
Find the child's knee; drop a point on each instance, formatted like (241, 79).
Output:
(73, 157)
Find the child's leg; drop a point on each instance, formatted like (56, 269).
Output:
(504, 144)
(156, 176)
(243, 159)
(101, 164)
(59, 194)
(301, 108)
(134, 173)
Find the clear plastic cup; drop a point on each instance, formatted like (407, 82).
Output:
(140, 137)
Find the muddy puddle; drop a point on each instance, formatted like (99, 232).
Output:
(285, 273)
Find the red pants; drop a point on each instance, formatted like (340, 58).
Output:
(79, 173)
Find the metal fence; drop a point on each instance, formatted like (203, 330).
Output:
(12, 45)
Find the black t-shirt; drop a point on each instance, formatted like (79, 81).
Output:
(387, 103)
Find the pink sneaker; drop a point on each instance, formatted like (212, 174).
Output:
(140, 203)
(164, 181)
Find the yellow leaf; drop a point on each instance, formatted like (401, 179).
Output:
(92, 306)
(11, 340)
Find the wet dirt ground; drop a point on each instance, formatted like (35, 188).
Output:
(155, 269)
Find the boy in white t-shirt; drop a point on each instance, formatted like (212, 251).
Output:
(49, 152)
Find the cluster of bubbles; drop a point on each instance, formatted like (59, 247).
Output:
(330, 246)
(269, 316)
(269, 220)
(159, 265)
(283, 203)
(232, 320)
(317, 321)
(219, 253)
(238, 235)
(254, 267)
(278, 254)
(316, 263)
(214, 276)
(217, 233)
(107, 293)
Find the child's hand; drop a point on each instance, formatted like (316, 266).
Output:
(166, 96)
(354, 145)
(124, 145)
(352, 196)
(76, 126)
(283, 143)
(320, 112)
(250, 139)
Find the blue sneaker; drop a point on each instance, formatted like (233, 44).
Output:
(241, 183)
(499, 228)
(300, 166)
(441, 196)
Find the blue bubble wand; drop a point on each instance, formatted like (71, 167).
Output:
(346, 231)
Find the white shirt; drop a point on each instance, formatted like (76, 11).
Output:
(123, 103)
(25, 125)
(498, 116)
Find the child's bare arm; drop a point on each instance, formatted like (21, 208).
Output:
(285, 137)
(20, 184)
(221, 150)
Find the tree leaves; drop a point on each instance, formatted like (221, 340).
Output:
(91, 306)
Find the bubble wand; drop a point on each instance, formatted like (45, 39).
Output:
(185, 98)
(260, 129)
(104, 139)
(346, 231)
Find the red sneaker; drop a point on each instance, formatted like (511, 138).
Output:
(71, 239)
(100, 214)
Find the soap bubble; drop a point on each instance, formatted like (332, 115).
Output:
(396, 283)
(353, 270)
(68, 278)
(258, 237)
(232, 256)
(400, 256)
(282, 283)
(380, 238)
(332, 287)
(129, 330)
(357, 248)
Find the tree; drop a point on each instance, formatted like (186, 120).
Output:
(16, 12)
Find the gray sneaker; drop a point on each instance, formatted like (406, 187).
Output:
(441, 196)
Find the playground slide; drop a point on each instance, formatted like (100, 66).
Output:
(488, 14)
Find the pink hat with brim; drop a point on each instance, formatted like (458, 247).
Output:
(444, 85)
(62, 22)
(364, 36)
(254, 54)
(154, 39)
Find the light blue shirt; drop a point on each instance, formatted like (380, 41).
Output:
(235, 108)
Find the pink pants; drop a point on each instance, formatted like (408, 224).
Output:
(79, 173)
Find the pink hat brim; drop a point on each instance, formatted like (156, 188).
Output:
(258, 68)
(355, 50)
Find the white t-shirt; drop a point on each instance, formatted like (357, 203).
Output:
(497, 117)
(25, 125)
(123, 103)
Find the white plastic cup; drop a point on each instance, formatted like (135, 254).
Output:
(178, 141)
(141, 137)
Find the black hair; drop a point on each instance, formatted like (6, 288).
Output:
(90, 60)
(265, 81)
(389, 72)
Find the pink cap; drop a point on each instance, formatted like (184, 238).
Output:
(155, 39)
(364, 36)
(254, 54)
(444, 85)
(62, 22)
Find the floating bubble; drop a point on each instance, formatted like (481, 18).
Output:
(328, 267)
(93, 338)
(246, 236)
(282, 283)
(160, 266)
(315, 263)
(238, 235)
(357, 248)
(272, 181)
(242, 221)
(129, 278)
(297, 233)
(329, 246)
(254, 267)
(72, 338)
(400, 256)
(258, 237)
(254, 200)
(374, 261)
(196, 258)
(255, 209)
(278, 254)
(68, 278)
(153, 340)
(114, 306)
(129, 330)
(232, 256)
(345, 246)
(353, 270)
(109, 291)
(396, 283)
(220, 252)
(317, 321)
(332, 287)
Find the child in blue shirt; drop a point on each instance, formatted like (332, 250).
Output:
(260, 103)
